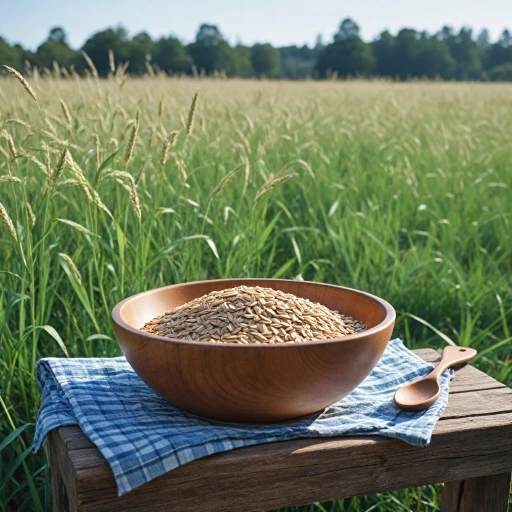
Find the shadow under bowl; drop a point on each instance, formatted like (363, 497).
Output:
(253, 383)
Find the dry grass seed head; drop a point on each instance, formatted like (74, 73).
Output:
(39, 164)
(12, 148)
(111, 61)
(132, 139)
(224, 181)
(273, 183)
(30, 214)
(19, 122)
(8, 222)
(71, 265)
(55, 176)
(79, 175)
(9, 178)
(168, 142)
(91, 65)
(23, 82)
(161, 107)
(97, 150)
(192, 112)
(66, 112)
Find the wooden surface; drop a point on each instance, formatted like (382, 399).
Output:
(473, 439)
(253, 383)
(482, 494)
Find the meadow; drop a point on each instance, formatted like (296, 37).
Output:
(110, 187)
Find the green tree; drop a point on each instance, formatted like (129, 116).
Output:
(348, 54)
(99, 44)
(502, 73)
(500, 53)
(171, 56)
(140, 50)
(55, 49)
(383, 49)
(211, 52)
(265, 60)
(242, 58)
(11, 55)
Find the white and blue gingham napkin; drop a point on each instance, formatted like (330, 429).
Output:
(143, 436)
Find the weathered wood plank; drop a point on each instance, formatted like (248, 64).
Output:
(307, 471)
(61, 458)
(482, 494)
(467, 378)
(59, 494)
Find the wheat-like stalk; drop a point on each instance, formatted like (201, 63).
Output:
(50, 126)
(30, 214)
(181, 166)
(54, 177)
(224, 181)
(247, 172)
(9, 178)
(150, 70)
(97, 150)
(99, 203)
(19, 122)
(39, 164)
(71, 265)
(23, 82)
(74, 74)
(161, 107)
(12, 148)
(271, 184)
(133, 137)
(56, 69)
(168, 142)
(8, 222)
(134, 198)
(79, 175)
(47, 159)
(142, 169)
(91, 65)
(66, 112)
(111, 61)
(192, 112)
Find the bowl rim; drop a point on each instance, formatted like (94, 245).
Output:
(389, 319)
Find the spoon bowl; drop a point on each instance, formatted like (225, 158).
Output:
(421, 394)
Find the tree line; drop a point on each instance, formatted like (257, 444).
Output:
(447, 54)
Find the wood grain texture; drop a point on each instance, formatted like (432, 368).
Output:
(59, 495)
(254, 383)
(473, 439)
(482, 494)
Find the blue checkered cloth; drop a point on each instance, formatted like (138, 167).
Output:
(143, 436)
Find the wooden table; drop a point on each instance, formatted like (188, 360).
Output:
(471, 451)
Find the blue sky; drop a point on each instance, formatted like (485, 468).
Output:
(280, 22)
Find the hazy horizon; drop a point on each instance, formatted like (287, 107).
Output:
(280, 22)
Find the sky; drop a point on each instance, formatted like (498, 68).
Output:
(280, 22)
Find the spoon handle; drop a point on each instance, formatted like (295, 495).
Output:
(453, 356)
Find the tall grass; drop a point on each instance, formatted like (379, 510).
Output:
(402, 190)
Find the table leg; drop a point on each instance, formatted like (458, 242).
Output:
(482, 494)
(60, 501)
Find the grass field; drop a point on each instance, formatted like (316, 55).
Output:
(402, 190)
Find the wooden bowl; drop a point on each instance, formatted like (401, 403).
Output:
(253, 383)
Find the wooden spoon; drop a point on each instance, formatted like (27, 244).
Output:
(421, 394)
